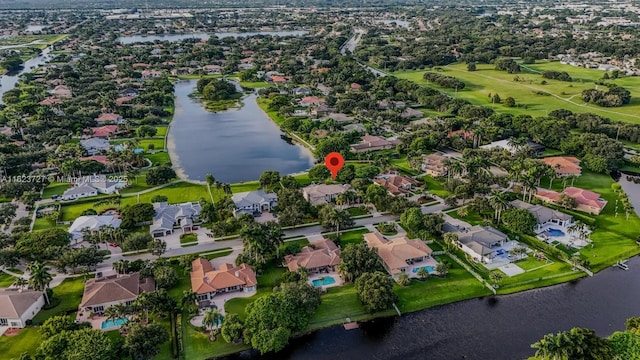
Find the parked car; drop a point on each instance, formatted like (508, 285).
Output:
(113, 244)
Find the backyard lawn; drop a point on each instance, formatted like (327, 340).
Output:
(351, 237)
(458, 285)
(69, 292)
(162, 131)
(72, 211)
(158, 158)
(27, 340)
(6, 280)
(157, 144)
(434, 187)
(55, 188)
(178, 192)
(198, 347)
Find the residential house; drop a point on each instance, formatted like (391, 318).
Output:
(207, 282)
(277, 79)
(374, 143)
(104, 291)
(322, 256)
(102, 183)
(507, 145)
(300, 91)
(481, 242)
(311, 100)
(318, 194)
(254, 202)
(50, 101)
(62, 91)
(150, 74)
(168, 217)
(92, 223)
(564, 165)
(399, 255)
(355, 87)
(544, 216)
(212, 69)
(434, 165)
(102, 159)
(110, 118)
(79, 192)
(94, 145)
(130, 92)
(396, 185)
(105, 131)
(19, 306)
(411, 113)
(586, 201)
(466, 135)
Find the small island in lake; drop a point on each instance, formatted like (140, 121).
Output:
(218, 94)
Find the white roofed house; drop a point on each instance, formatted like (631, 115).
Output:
(183, 216)
(94, 145)
(92, 185)
(254, 202)
(91, 223)
(18, 306)
(79, 192)
(481, 242)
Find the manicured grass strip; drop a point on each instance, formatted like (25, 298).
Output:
(27, 340)
(56, 188)
(179, 192)
(69, 292)
(434, 187)
(6, 280)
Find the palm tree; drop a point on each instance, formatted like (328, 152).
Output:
(422, 273)
(553, 347)
(40, 277)
(495, 277)
(443, 268)
(499, 202)
(188, 298)
(20, 283)
(210, 181)
(121, 266)
(450, 240)
(338, 217)
(212, 319)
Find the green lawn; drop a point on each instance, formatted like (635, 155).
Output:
(184, 283)
(55, 188)
(157, 144)
(162, 131)
(458, 285)
(531, 263)
(11, 347)
(70, 294)
(254, 84)
(191, 239)
(176, 193)
(158, 158)
(217, 254)
(197, 345)
(357, 211)
(434, 187)
(473, 218)
(43, 223)
(72, 211)
(351, 237)
(402, 164)
(529, 92)
(556, 273)
(6, 280)
(138, 184)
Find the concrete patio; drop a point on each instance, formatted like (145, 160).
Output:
(569, 239)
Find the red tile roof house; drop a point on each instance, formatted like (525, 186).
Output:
(105, 131)
(587, 201)
(396, 185)
(322, 256)
(564, 165)
(277, 79)
(110, 118)
(400, 255)
(208, 283)
(62, 91)
(50, 101)
(311, 100)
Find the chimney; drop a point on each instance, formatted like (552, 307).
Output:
(237, 274)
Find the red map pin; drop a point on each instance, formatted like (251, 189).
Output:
(334, 162)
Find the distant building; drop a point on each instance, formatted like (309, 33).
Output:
(434, 165)
(374, 143)
(506, 145)
(481, 242)
(91, 223)
(564, 165)
(396, 185)
(94, 145)
(110, 118)
(586, 201)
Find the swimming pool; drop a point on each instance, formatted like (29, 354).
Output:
(555, 232)
(327, 280)
(113, 323)
(430, 269)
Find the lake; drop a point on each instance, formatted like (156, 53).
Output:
(235, 145)
(9, 80)
(179, 37)
(490, 328)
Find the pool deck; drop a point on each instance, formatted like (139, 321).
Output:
(334, 275)
(96, 322)
(571, 239)
(428, 262)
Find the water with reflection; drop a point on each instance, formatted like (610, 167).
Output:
(9, 80)
(233, 145)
